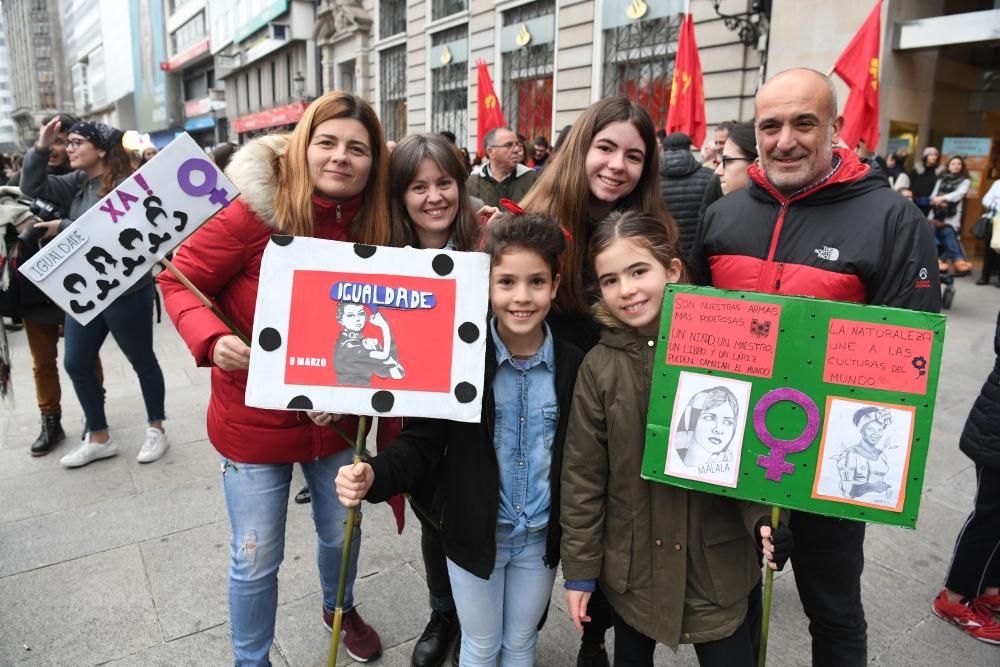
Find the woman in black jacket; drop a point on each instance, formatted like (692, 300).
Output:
(971, 597)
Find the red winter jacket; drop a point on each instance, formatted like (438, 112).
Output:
(223, 260)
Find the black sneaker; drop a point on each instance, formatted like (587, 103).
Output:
(592, 655)
(432, 647)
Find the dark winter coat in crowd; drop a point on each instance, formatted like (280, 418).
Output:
(848, 237)
(922, 181)
(34, 305)
(981, 436)
(682, 184)
(462, 457)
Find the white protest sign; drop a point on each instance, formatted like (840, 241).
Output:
(369, 330)
(111, 246)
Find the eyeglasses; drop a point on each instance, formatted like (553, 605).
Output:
(76, 143)
(726, 159)
(509, 145)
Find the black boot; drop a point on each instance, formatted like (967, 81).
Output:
(51, 435)
(456, 655)
(432, 647)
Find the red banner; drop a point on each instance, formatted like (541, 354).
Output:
(858, 66)
(687, 91)
(490, 115)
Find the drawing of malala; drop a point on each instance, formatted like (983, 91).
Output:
(706, 429)
(356, 359)
(864, 466)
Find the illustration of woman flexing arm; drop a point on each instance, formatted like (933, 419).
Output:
(356, 359)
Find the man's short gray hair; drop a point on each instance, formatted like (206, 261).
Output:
(491, 135)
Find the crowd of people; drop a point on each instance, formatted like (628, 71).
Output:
(582, 238)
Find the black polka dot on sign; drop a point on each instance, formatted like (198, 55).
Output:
(281, 239)
(269, 339)
(442, 265)
(300, 403)
(382, 401)
(468, 332)
(364, 251)
(465, 392)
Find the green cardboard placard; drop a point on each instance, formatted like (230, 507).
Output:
(832, 402)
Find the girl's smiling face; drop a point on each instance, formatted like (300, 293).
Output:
(614, 162)
(522, 289)
(632, 279)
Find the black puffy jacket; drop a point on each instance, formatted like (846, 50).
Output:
(682, 185)
(981, 436)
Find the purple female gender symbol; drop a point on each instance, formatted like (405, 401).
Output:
(775, 463)
(207, 169)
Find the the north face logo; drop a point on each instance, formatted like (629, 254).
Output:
(827, 253)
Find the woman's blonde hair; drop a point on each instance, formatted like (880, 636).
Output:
(293, 206)
(563, 193)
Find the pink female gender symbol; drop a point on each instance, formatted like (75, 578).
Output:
(775, 463)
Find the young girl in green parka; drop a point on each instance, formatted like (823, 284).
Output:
(677, 566)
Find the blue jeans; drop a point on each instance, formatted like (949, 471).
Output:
(257, 501)
(949, 247)
(500, 616)
(130, 320)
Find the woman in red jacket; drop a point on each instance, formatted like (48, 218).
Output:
(327, 179)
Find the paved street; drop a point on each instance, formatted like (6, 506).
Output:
(125, 564)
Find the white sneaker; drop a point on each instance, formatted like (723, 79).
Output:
(87, 452)
(156, 443)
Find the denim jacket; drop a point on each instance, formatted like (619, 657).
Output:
(527, 413)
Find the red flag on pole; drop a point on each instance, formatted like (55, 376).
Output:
(858, 66)
(490, 115)
(687, 91)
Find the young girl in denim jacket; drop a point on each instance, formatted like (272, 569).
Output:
(677, 566)
(500, 517)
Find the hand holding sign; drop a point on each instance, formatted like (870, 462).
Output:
(109, 248)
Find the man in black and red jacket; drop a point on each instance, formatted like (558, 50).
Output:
(815, 221)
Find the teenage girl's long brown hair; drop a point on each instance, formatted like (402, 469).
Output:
(563, 193)
(404, 163)
(293, 206)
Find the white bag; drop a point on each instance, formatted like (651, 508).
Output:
(995, 239)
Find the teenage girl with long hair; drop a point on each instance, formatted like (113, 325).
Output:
(606, 161)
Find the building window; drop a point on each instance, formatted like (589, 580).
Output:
(391, 18)
(639, 63)
(392, 89)
(189, 33)
(443, 8)
(526, 69)
(195, 86)
(450, 82)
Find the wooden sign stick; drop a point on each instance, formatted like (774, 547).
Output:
(338, 614)
(765, 620)
(169, 266)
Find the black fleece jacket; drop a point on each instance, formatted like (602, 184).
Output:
(464, 459)
(981, 436)
(682, 185)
